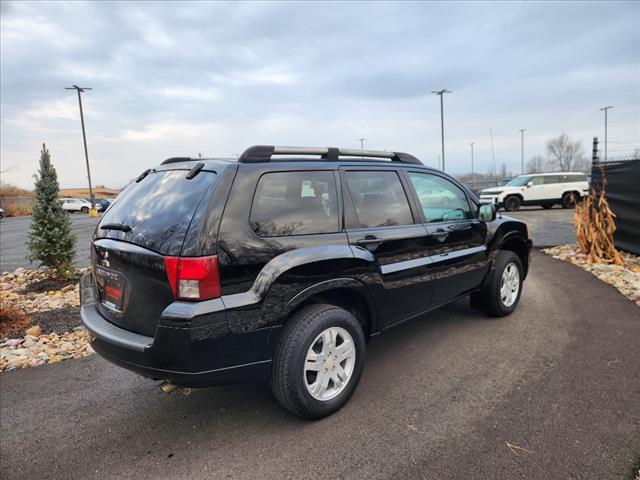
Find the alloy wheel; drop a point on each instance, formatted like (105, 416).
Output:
(509, 284)
(329, 363)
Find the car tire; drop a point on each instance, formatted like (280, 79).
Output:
(84, 210)
(512, 203)
(499, 296)
(301, 390)
(569, 200)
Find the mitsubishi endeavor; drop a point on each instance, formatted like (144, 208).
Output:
(281, 266)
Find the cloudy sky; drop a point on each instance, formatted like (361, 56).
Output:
(213, 78)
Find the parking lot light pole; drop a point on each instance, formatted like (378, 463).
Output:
(84, 139)
(605, 129)
(472, 143)
(362, 140)
(522, 130)
(441, 94)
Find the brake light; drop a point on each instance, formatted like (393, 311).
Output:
(193, 278)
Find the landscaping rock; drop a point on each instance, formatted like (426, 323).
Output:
(33, 331)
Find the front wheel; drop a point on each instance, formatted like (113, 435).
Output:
(501, 293)
(318, 362)
(512, 204)
(84, 210)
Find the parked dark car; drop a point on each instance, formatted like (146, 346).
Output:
(101, 203)
(283, 264)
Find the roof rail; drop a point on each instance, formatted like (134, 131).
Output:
(263, 153)
(176, 160)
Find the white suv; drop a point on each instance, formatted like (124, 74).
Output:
(544, 189)
(75, 205)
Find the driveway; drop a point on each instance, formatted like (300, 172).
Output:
(14, 235)
(548, 227)
(441, 398)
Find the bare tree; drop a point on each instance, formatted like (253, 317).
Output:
(504, 173)
(565, 154)
(536, 164)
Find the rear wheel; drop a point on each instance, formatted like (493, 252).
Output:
(512, 203)
(501, 292)
(318, 362)
(84, 210)
(569, 200)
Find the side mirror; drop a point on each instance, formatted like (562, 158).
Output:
(529, 184)
(487, 212)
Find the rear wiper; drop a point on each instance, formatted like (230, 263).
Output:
(116, 226)
(195, 170)
(142, 175)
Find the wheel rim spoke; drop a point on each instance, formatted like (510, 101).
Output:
(509, 284)
(329, 363)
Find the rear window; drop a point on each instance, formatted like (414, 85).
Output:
(158, 209)
(295, 203)
(379, 199)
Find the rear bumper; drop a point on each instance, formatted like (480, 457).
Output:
(192, 352)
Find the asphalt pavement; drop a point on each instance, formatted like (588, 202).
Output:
(548, 228)
(14, 235)
(551, 392)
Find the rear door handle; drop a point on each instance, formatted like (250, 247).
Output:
(440, 234)
(370, 240)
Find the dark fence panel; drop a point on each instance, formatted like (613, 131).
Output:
(623, 194)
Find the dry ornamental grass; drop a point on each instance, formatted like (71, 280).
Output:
(595, 225)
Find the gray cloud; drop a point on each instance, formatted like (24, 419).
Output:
(182, 78)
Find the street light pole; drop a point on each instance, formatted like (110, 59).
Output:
(605, 129)
(362, 140)
(441, 94)
(84, 138)
(472, 143)
(522, 150)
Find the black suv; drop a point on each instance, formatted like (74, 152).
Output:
(281, 265)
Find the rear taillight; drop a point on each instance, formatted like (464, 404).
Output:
(193, 278)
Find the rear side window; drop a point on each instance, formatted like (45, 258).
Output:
(158, 209)
(379, 199)
(295, 203)
(440, 199)
(575, 178)
(551, 179)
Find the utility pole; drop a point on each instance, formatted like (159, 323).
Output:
(84, 138)
(493, 153)
(362, 140)
(522, 130)
(472, 143)
(605, 129)
(441, 94)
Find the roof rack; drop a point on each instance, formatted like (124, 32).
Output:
(263, 153)
(176, 160)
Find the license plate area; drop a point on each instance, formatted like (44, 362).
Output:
(110, 286)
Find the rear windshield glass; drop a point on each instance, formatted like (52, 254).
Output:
(158, 209)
